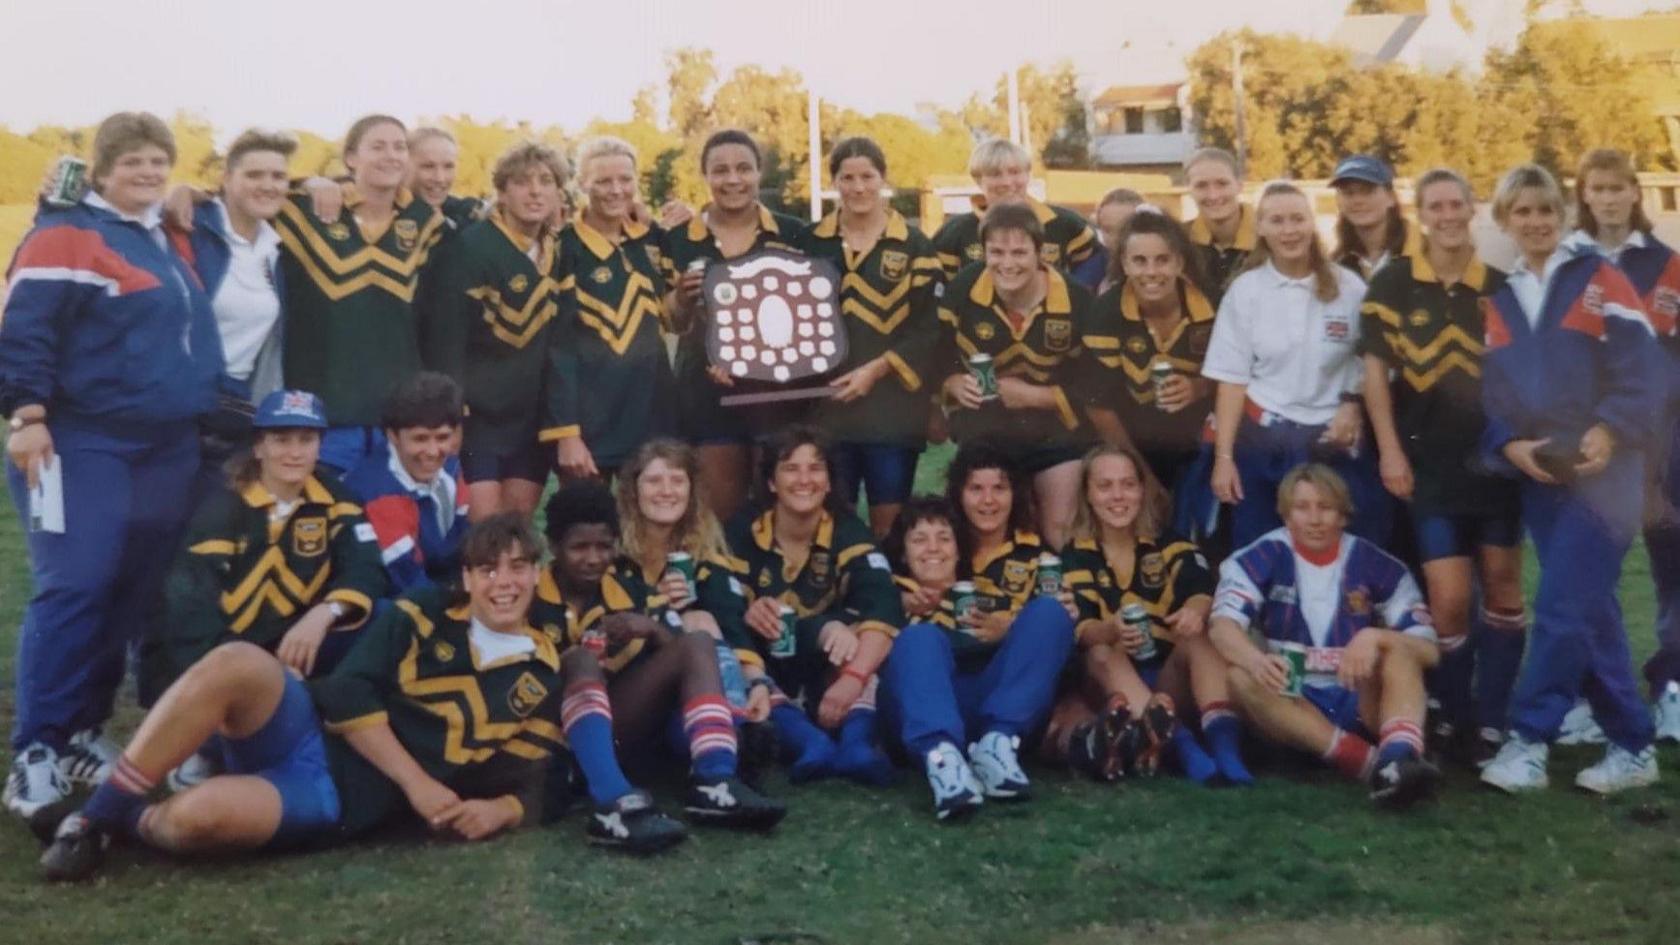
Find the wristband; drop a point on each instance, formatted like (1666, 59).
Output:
(1353, 397)
(853, 673)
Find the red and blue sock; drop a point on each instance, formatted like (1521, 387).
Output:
(1399, 739)
(710, 728)
(1350, 754)
(119, 802)
(586, 716)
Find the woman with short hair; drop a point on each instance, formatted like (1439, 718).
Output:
(1003, 169)
(1223, 228)
(108, 358)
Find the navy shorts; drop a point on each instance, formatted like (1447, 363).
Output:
(289, 753)
(1338, 704)
(529, 463)
(1458, 536)
(886, 472)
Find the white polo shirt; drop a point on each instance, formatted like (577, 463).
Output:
(1294, 353)
(246, 303)
(1530, 287)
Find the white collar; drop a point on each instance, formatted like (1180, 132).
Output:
(408, 482)
(151, 218)
(268, 238)
(1280, 280)
(1559, 256)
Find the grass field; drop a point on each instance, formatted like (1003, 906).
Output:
(1301, 858)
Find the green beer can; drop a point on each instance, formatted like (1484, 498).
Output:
(1049, 575)
(1159, 373)
(1296, 654)
(964, 602)
(683, 563)
(784, 646)
(985, 374)
(68, 183)
(1136, 616)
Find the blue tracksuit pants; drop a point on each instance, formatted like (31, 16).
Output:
(925, 700)
(1576, 642)
(96, 585)
(1265, 454)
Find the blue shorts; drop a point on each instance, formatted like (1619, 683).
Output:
(886, 472)
(1458, 536)
(344, 448)
(289, 753)
(529, 463)
(1338, 704)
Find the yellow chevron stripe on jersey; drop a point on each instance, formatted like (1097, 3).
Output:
(304, 234)
(1423, 380)
(618, 326)
(1450, 335)
(517, 326)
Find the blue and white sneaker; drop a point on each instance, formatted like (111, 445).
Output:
(1520, 766)
(1666, 714)
(997, 768)
(36, 789)
(956, 792)
(1620, 770)
(88, 758)
(1579, 727)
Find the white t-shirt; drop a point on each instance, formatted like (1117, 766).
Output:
(1294, 353)
(492, 647)
(441, 489)
(246, 303)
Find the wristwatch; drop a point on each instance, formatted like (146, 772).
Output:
(17, 422)
(338, 610)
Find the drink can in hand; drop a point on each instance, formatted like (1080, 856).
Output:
(784, 646)
(1296, 655)
(1049, 575)
(1136, 616)
(985, 375)
(69, 182)
(683, 563)
(964, 603)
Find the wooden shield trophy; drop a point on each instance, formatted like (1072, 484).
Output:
(775, 322)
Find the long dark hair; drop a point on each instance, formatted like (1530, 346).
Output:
(1348, 247)
(1149, 220)
(972, 457)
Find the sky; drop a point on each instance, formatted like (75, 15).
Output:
(317, 64)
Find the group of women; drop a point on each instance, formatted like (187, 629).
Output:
(1130, 406)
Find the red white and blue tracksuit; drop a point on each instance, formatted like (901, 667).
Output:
(1590, 358)
(1654, 270)
(1270, 586)
(418, 551)
(108, 328)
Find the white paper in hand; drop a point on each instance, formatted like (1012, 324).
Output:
(46, 500)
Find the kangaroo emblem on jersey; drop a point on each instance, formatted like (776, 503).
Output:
(338, 232)
(1058, 333)
(527, 693)
(893, 264)
(407, 231)
(309, 536)
(518, 283)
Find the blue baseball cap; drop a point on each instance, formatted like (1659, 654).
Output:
(1363, 167)
(290, 409)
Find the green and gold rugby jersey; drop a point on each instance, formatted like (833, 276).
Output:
(351, 332)
(890, 304)
(571, 621)
(1220, 263)
(1124, 347)
(1166, 572)
(1068, 239)
(246, 573)
(702, 417)
(1430, 336)
(1046, 346)
(617, 388)
(485, 729)
(491, 324)
(1004, 580)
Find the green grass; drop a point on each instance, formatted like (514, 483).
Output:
(1299, 859)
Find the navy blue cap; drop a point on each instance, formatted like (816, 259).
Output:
(291, 409)
(1363, 167)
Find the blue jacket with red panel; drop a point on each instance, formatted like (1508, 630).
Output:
(1593, 358)
(1654, 270)
(104, 325)
(416, 552)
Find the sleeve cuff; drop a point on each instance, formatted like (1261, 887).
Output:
(358, 723)
(906, 375)
(352, 598)
(750, 658)
(554, 434)
(876, 626)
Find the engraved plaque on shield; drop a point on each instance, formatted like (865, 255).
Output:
(775, 320)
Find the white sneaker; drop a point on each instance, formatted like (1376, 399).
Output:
(35, 785)
(997, 768)
(1621, 769)
(87, 760)
(1666, 714)
(1520, 766)
(191, 773)
(956, 793)
(1579, 727)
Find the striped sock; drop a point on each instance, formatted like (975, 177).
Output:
(1350, 754)
(118, 803)
(1399, 738)
(586, 716)
(711, 738)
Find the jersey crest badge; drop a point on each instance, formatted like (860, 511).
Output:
(974, 251)
(1050, 254)
(1418, 318)
(309, 536)
(443, 651)
(984, 331)
(894, 262)
(1015, 576)
(1358, 601)
(406, 231)
(601, 276)
(1058, 333)
(338, 232)
(518, 283)
(819, 567)
(1152, 568)
(527, 693)
(1137, 345)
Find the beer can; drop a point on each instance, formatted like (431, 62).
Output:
(980, 365)
(683, 563)
(1296, 654)
(595, 641)
(1159, 373)
(964, 603)
(68, 183)
(697, 265)
(784, 646)
(1049, 575)
(1136, 616)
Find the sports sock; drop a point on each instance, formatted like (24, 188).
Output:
(1197, 765)
(586, 717)
(118, 803)
(859, 757)
(711, 738)
(1449, 681)
(1399, 738)
(1499, 653)
(809, 747)
(1350, 754)
(1224, 738)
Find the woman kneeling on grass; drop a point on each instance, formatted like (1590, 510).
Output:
(979, 672)
(1144, 597)
(1347, 641)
